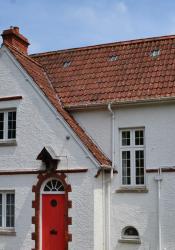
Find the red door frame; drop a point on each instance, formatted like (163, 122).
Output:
(36, 204)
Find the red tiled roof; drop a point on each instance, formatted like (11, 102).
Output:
(92, 78)
(39, 76)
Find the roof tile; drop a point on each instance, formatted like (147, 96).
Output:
(134, 75)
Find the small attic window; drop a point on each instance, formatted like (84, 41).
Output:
(155, 53)
(113, 58)
(130, 235)
(130, 232)
(66, 64)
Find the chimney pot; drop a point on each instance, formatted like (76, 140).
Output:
(16, 29)
(13, 37)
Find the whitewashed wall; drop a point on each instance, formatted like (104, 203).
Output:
(38, 126)
(159, 130)
(140, 209)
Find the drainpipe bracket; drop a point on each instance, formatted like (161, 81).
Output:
(158, 178)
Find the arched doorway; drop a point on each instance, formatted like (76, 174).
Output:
(58, 189)
(53, 213)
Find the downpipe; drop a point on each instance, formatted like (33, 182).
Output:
(104, 209)
(110, 180)
(159, 178)
(112, 138)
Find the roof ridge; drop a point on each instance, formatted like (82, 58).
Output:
(22, 54)
(125, 42)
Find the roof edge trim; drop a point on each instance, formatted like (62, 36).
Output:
(120, 103)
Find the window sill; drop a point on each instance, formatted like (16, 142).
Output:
(130, 241)
(8, 143)
(132, 190)
(7, 232)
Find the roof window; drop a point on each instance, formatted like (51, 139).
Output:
(66, 64)
(113, 58)
(155, 53)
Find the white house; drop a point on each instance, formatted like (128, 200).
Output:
(87, 146)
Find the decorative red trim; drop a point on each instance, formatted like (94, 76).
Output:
(35, 171)
(80, 170)
(165, 170)
(10, 98)
(168, 170)
(69, 204)
(152, 170)
(36, 205)
(106, 171)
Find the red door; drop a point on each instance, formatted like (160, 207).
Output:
(53, 222)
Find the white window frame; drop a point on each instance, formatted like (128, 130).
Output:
(5, 127)
(4, 204)
(132, 148)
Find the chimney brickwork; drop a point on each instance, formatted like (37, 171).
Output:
(13, 37)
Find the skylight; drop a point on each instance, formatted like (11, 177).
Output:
(113, 58)
(155, 53)
(66, 64)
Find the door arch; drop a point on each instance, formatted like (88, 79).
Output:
(53, 185)
(51, 192)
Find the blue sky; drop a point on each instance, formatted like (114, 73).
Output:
(57, 24)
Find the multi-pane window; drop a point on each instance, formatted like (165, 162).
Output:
(126, 167)
(11, 125)
(7, 209)
(10, 210)
(7, 125)
(132, 156)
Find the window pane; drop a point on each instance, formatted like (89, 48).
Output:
(139, 137)
(1, 125)
(1, 117)
(12, 125)
(0, 210)
(126, 168)
(139, 162)
(125, 138)
(54, 185)
(10, 210)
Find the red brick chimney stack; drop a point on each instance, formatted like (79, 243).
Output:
(14, 38)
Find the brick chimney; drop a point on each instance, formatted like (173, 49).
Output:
(14, 38)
